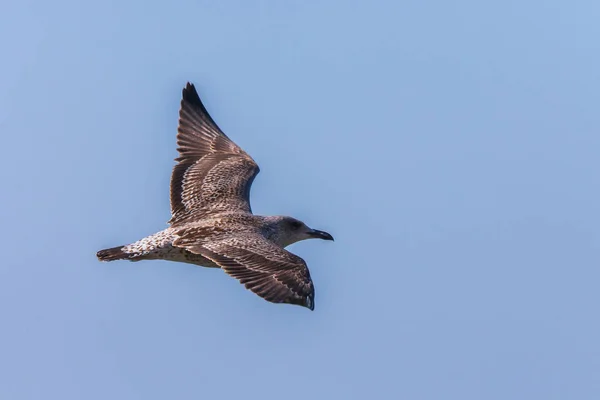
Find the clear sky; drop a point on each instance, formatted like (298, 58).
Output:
(450, 147)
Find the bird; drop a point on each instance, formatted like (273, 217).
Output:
(212, 224)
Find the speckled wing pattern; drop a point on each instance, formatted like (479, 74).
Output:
(266, 269)
(213, 174)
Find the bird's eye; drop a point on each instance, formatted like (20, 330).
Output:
(296, 224)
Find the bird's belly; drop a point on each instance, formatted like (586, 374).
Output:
(197, 259)
(160, 247)
(177, 254)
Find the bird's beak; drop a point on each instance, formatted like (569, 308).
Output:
(320, 235)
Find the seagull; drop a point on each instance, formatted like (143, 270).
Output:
(212, 224)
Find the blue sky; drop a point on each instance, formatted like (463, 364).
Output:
(450, 147)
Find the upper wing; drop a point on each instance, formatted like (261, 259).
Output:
(263, 267)
(213, 174)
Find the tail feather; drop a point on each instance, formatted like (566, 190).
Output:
(115, 253)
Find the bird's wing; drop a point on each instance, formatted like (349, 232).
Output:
(212, 174)
(263, 267)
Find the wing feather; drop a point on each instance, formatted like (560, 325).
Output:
(261, 266)
(212, 174)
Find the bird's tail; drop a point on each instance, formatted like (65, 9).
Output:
(115, 253)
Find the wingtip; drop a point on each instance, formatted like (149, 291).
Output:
(190, 94)
(310, 304)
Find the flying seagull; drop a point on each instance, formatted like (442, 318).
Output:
(212, 224)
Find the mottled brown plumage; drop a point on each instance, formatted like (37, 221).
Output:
(213, 174)
(212, 224)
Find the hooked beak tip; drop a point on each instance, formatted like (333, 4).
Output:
(321, 235)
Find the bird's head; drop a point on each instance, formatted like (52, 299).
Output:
(288, 230)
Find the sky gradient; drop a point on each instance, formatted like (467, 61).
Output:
(451, 148)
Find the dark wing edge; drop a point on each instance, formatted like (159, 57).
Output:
(202, 146)
(267, 270)
(197, 132)
(190, 95)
